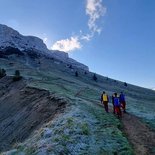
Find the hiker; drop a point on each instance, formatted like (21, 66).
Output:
(113, 95)
(117, 106)
(105, 100)
(122, 101)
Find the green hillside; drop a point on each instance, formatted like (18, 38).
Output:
(83, 127)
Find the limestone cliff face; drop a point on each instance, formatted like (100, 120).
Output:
(10, 38)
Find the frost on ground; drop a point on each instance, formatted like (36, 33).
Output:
(83, 129)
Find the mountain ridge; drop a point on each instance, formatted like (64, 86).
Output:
(10, 38)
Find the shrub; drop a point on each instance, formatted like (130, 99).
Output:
(76, 74)
(17, 76)
(125, 84)
(2, 72)
(94, 77)
(70, 66)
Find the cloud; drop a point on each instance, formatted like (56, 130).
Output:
(67, 45)
(86, 37)
(94, 9)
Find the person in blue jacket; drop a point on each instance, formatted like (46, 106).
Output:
(117, 106)
(123, 102)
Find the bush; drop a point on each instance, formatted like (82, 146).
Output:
(2, 72)
(70, 66)
(17, 76)
(125, 84)
(94, 77)
(76, 74)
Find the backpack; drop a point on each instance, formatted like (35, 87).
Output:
(116, 101)
(122, 98)
(105, 97)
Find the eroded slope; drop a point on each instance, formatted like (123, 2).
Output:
(24, 109)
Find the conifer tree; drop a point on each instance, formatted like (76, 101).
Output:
(94, 77)
(17, 76)
(125, 84)
(76, 74)
(2, 72)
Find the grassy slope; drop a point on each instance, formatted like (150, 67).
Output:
(85, 128)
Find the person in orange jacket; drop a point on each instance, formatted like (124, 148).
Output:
(105, 100)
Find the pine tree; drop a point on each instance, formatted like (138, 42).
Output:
(17, 76)
(94, 77)
(125, 84)
(76, 74)
(2, 72)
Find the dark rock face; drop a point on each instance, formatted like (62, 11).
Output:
(10, 51)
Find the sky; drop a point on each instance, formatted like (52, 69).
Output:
(114, 38)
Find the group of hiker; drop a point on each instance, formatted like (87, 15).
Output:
(118, 102)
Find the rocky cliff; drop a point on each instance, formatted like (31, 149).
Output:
(10, 38)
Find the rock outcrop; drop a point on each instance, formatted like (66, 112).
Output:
(11, 39)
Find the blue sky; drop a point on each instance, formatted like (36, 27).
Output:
(115, 38)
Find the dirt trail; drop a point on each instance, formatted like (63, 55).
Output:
(139, 134)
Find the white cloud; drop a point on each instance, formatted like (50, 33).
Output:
(86, 37)
(94, 9)
(67, 45)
